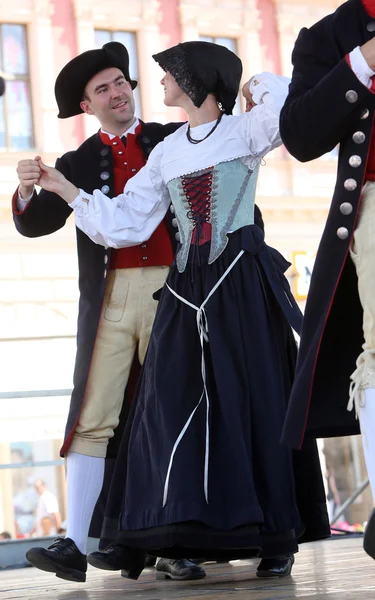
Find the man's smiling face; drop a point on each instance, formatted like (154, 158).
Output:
(110, 98)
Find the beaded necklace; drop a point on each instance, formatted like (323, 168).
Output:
(193, 141)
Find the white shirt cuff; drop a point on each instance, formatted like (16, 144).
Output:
(23, 202)
(80, 203)
(266, 83)
(360, 67)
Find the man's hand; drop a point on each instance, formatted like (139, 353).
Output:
(28, 172)
(368, 51)
(53, 181)
(248, 96)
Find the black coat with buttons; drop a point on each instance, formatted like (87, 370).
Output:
(327, 105)
(47, 213)
(89, 167)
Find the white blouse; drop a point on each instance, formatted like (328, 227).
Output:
(132, 217)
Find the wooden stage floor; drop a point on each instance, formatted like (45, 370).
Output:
(332, 570)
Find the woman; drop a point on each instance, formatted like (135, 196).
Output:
(213, 392)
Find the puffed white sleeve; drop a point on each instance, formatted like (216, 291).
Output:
(260, 126)
(130, 218)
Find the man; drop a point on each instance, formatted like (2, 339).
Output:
(331, 101)
(116, 307)
(48, 518)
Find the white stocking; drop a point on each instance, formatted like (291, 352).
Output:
(367, 420)
(85, 475)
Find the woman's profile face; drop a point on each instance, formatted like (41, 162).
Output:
(173, 94)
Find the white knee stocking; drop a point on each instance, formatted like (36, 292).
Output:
(85, 475)
(367, 420)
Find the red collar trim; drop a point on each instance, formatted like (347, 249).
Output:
(109, 142)
(369, 6)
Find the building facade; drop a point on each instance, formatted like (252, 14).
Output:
(38, 277)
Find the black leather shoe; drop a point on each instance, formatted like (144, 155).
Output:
(62, 558)
(369, 537)
(130, 561)
(278, 566)
(150, 561)
(180, 569)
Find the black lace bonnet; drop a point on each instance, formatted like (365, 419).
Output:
(202, 68)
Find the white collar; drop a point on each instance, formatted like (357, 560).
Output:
(131, 129)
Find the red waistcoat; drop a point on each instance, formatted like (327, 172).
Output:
(127, 161)
(369, 6)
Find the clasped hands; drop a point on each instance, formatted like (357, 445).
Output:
(35, 172)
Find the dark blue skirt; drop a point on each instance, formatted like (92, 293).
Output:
(250, 506)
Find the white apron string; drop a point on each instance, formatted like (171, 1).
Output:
(202, 326)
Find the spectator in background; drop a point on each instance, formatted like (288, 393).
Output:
(47, 507)
(48, 527)
(5, 535)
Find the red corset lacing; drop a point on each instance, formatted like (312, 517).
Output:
(198, 191)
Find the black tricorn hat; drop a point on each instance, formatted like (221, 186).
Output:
(73, 78)
(202, 68)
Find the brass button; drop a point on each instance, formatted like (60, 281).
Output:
(355, 161)
(359, 137)
(351, 96)
(350, 185)
(346, 208)
(342, 233)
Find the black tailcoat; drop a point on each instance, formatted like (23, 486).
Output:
(327, 105)
(47, 213)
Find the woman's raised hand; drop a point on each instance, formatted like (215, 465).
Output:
(53, 181)
(50, 179)
(248, 96)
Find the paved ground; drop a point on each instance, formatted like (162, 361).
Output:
(330, 570)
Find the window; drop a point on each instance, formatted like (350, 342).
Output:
(231, 44)
(129, 40)
(16, 126)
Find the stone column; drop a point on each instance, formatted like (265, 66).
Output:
(149, 43)
(42, 73)
(248, 45)
(85, 41)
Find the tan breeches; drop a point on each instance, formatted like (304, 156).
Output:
(362, 252)
(363, 378)
(126, 321)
